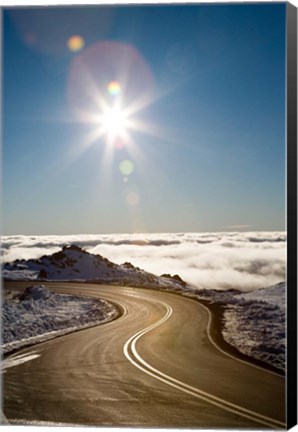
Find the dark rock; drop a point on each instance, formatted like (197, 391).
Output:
(176, 278)
(42, 274)
(128, 265)
(36, 293)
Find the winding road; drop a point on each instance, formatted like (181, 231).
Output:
(155, 366)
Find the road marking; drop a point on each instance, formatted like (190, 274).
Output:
(17, 360)
(197, 301)
(134, 357)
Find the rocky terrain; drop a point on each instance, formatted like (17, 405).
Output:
(74, 264)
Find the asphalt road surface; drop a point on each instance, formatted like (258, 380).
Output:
(155, 366)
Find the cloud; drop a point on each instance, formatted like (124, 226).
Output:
(245, 261)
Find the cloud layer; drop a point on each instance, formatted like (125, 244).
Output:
(245, 261)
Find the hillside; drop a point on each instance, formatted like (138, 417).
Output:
(74, 264)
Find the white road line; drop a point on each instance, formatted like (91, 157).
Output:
(141, 364)
(15, 361)
(19, 356)
(263, 369)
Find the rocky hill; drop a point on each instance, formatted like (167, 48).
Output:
(74, 264)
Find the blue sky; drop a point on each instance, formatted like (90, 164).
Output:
(212, 156)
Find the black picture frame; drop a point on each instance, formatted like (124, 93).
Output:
(291, 215)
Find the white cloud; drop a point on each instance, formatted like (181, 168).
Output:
(245, 261)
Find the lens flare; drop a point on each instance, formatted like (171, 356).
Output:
(132, 199)
(106, 70)
(119, 143)
(75, 43)
(114, 88)
(31, 38)
(126, 167)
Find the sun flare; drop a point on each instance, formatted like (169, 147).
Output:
(114, 121)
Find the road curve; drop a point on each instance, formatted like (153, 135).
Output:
(155, 366)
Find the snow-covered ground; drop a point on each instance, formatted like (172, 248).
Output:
(39, 314)
(254, 322)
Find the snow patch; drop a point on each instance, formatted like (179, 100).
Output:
(39, 314)
(254, 322)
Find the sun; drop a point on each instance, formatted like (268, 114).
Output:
(114, 121)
